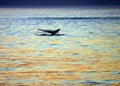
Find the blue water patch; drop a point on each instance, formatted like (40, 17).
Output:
(35, 79)
(107, 81)
(71, 18)
(7, 69)
(90, 82)
(11, 61)
(115, 73)
(40, 55)
(70, 82)
(91, 32)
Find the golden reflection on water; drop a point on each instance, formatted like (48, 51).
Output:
(71, 64)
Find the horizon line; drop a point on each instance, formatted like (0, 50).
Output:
(61, 6)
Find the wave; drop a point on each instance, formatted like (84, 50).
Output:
(70, 18)
(61, 18)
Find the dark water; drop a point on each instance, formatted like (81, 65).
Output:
(86, 53)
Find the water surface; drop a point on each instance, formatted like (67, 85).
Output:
(87, 54)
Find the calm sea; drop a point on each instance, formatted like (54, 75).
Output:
(87, 54)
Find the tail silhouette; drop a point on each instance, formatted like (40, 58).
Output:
(52, 32)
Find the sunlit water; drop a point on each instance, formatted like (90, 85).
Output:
(87, 54)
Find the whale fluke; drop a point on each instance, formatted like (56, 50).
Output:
(52, 32)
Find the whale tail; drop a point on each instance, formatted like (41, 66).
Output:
(52, 32)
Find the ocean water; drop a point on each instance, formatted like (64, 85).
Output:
(87, 53)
